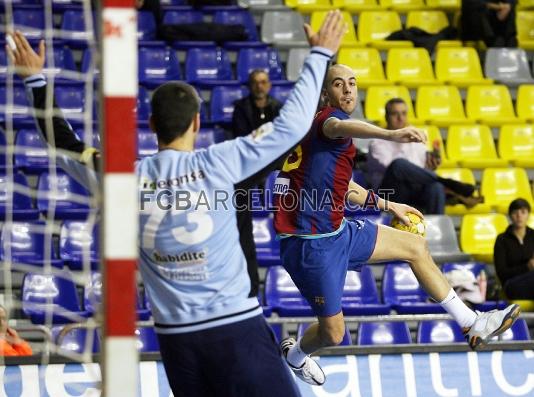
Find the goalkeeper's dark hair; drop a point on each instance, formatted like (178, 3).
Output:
(174, 105)
(391, 102)
(518, 204)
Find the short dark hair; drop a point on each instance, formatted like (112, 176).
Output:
(174, 105)
(392, 102)
(518, 204)
(256, 72)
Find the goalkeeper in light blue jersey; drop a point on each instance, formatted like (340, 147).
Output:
(213, 338)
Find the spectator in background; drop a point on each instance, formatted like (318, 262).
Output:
(11, 343)
(408, 169)
(514, 253)
(257, 108)
(490, 21)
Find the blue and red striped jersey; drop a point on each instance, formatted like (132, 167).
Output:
(309, 193)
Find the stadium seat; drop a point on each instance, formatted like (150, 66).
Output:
(205, 138)
(366, 64)
(295, 60)
(410, 67)
(51, 299)
(525, 102)
(31, 152)
(78, 245)
(87, 67)
(375, 26)
(440, 105)
(434, 138)
(30, 21)
(282, 294)
(62, 194)
(21, 113)
(147, 340)
(281, 92)
(143, 106)
(478, 233)
(3, 65)
(267, 246)
(430, 21)
(349, 39)
(516, 144)
(384, 333)
(526, 305)
(507, 66)
(517, 332)
(147, 143)
(222, 102)
(445, 5)
(439, 331)
(360, 295)
(15, 198)
(238, 17)
(182, 17)
(464, 175)
(157, 65)
(459, 66)
(491, 105)
(525, 29)
(250, 59)
(442, 240)
(283, 29)
(347, 338)
(502, 185)
(208, 67)
(376, 99)
(74, 28)
(402, 5)
(146, 26)
(75, 339)
(71, 100)
(472, 146)
(309, 6)
(63, 63)
(356, 6)
(29, 244)
(262, 5)
(402, 291)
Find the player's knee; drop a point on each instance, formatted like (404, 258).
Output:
(332, 336)
(418, 249)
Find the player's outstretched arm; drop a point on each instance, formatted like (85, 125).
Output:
(360, 129)
(242, 157)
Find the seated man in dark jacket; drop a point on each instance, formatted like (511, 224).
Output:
(514, 253)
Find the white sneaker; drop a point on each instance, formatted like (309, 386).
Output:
(490, 324)
(310, 372)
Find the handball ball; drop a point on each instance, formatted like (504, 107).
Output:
(417, 226)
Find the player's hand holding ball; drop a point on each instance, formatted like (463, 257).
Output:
(407, 218)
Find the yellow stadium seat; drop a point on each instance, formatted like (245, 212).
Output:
(459, 66)
(375, 26)
(440, 105)
(356, 6)
(376, 99)
(525, 29)
(525, 305)
(525, 102)
(472, 146)
(433, 134)
(410, 67)
(445, 5)
(366, 64)
(464, 175)
(309, 6)
(349, 40)
(490, 104)
(531, 221)
(402, 5)
(525, 4)
(502, 185)
(516, 144)
(429, 21)
(478, 234)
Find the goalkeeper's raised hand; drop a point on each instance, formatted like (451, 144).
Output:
(25, 60)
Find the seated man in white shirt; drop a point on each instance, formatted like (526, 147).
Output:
(408, 168)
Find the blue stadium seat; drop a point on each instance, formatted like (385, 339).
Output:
(517, 332)
(146, 26)
(71, 100)
(87, 67)
(61, 5)
(250, 59)
(93, 137)
(238, 17)
(281, 92)
(360, 295)
(74, 28)
(402, 291)
(28, 243)
(208, 67)
(267, 246)
(282, 294)
(75, 339)
(386, 333)
(182, 17)
(222, 102)
(347, 338)
(30, 21)
(3, 65)
(51, 297)
(63, 62)
(205, 138)
(59, 192)
(21, 207)
(476, 268)
(143, 107)
(147, 340)
(21, 113)
(147, 143)
(78, 242)
(31, 152)
(439, 331)
(157, 65)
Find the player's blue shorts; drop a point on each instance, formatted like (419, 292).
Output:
(319, 266)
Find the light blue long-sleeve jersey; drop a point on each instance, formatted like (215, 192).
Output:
(190, 257)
